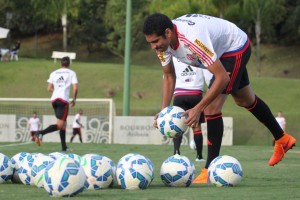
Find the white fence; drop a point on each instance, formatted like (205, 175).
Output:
(126, 130)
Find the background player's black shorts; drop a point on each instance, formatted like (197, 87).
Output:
(187, 102)
(76, 131)
(61, 109)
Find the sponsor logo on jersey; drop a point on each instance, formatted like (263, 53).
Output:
(188, 71)
(161, 56)
(204, 48)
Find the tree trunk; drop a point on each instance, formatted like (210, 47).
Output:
(257, 35)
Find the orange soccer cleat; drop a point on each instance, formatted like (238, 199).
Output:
(202, 178)
(285, 143)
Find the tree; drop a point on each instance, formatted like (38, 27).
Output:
(264, 15)
(115, 21)
(53, 10)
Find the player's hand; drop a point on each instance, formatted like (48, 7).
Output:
(73, 103)
(193, 117)
(155, 121)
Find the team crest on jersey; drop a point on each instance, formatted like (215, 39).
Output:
(191, 56)
(204, 48)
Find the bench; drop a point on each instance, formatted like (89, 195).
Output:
(60, 55)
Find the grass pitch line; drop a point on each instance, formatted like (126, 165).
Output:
(13, 145)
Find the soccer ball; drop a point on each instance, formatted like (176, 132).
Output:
(177, 171)
(16, 162)
(6, 168)
(38, 168)
(74, 157)
(98, 171)
(110, 161)
(24, 171)
(170, 123)
(225, 171)
(64, 177)
(134, 172)
(55, 155)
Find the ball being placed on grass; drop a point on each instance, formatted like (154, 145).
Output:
(225, 171)
(170, 122)
(64, 177)
(177, 171)
(6, 168)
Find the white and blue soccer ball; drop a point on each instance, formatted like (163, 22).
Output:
(225, 171)
(38, 168)
(64, 177)
(134, 172)
(177, 171)
(25, 167)
(74, 156)
(16, 162)
(170, 122)
(99, 172)
(55, 155)
(6, 168)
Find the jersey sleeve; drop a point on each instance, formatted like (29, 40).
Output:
(74, 78)
(50, 79)
(165, 57)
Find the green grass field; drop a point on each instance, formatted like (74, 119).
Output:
(259, 182)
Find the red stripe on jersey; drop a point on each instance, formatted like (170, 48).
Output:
(195, 49)
(183, 92)
(238, 51)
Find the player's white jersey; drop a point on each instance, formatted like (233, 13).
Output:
(203, 39)
(189, 80)
(76, 118)
(62, 79)
(34, 124)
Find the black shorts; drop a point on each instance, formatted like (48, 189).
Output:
(187, 102)
(76, 131)
(235, 63)
(61, 109)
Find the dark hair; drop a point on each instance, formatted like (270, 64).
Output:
(65, 61)
(157, 24)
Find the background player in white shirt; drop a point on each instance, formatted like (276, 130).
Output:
(187, 93)
(59, 83)
(77, 125)
(224, 49)
(34, 125)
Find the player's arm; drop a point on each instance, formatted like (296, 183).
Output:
(219, 84)
(75, 91)
(50, 87)
(169, 80)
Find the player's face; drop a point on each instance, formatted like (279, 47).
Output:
(158, 43)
